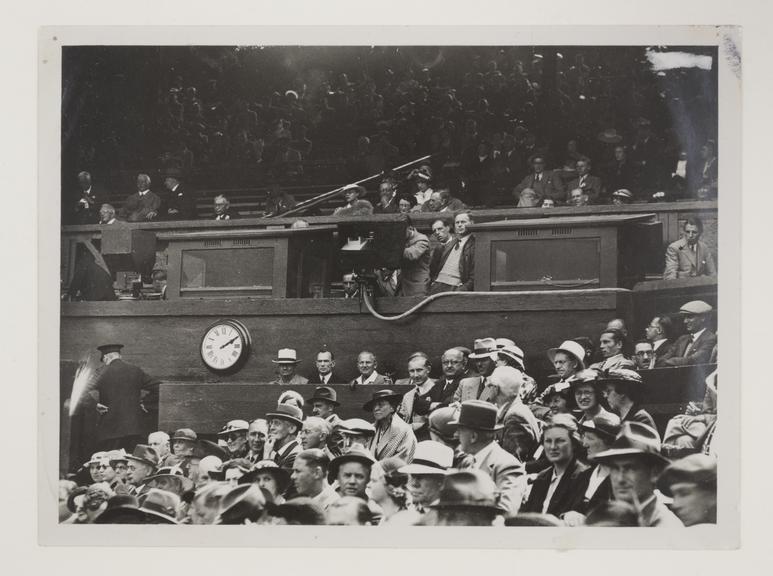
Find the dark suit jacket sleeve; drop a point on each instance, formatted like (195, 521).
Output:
(468, 256)
(699, 353)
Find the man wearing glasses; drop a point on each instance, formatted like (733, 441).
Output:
(454, 366)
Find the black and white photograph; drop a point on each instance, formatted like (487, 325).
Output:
(402, 282)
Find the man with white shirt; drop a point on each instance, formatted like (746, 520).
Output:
(143, 205)
(323, 405)
(658, 333)
(477, 429)
(520, 429)
(256, 440)
(689, 256)
(590, 185)
(416, 403)
(484, 356)
(324, 375)
(454, 366)
(366, 365)
(178, 205)
(107, 214)
(695, 347)
(455, 270)
(309, 477)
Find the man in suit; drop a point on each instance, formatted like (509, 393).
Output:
(644, 355)
(387, 204)
(143, 205)
(440, 238)
(223, 208)
(484, 357)
(366, 365)
(256, 439)
(414, 267)
(284, 424)
(416, 403)
(85, 209)
(520, 429)
(695, 347)
(590, 185)
(477, 429)
(178, 204)
(455, 270)
(658, 333)
(324, 403)
(545, 184)
(143, 462)
(287, 364)
(121, 392)
(426, 472)
(454, 366)
(688, 256)
(323, 375)
(442, 201)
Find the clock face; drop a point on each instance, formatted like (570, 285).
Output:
(225, 345)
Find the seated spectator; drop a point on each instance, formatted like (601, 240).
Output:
(692, 484)
(414, 268)
(426, 473)
(635, 464)
(287, 365)
(271, 478)
(622, 390)
(406, 204)
(235, 435)
(85, 207)
(387, 203)
(388, 487)
(706, 188)
(621, 197)
(692, 431)
(278, 201)
(544, 183)
(442, 201)
(349, 511)
(366, 365)
(310, 477)
(658, 333)
(355, 206)
(620, 172)
(394, 437)
(143, 205)
(351, 287)
(587, 395)
(467, 498)
(613, 514)
(556, 490)
(298, 512)
(697, 345)
(520, 429)
(351, 470)
(315, 433)
(548, 203)
(689, 256)
(416, 403)
(356, 432)
(590, 185)
(578, 197)
(291, 397)
(223, 209)
(611, 344)
(644, 355)
(107, 214)
(159, 283)
(528, 199)
(178, 204)
(423, 190)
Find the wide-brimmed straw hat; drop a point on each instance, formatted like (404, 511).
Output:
(286, 356)
(484, 348)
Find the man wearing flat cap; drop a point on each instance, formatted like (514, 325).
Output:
(692, 484)
(121, 392)
(689, 256)
(284, 424)
(484, 357)
(635, 463)
(477, 430)
(287, 364)
(394, 437)
(697, 345)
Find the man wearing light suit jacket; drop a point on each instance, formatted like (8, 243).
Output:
(477, 387)
(689, 257)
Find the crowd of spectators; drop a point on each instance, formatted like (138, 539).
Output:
(480, 445)
(494, 118)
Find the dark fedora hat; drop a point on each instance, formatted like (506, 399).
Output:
(287, 412)
(356, 454)
(204, 448)
(185, 434)
(280, 475)
(605, 424)
(634, 439)
(160, 506)
(108, 348)
(244, 502)
(468, 489)
(144, 454)
(389, 395)
(170, 478)
(122, 509)
(478, 415)
(326, 394)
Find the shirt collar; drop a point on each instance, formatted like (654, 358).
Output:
(656, 344)
(143, 192)
(370, 379)
(697, 334)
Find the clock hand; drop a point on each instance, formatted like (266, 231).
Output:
(231, 341)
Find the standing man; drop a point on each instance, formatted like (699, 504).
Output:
(484, 356)
(689, 256)
(393, 436)
(414, 267)
(658, 333)
(366, 365)
(456, 266)
(589, 185)
(179, 204)
(287, 361)
(309, 476)
(323, 405)
(143, 205)
(477, 430)
(121, 391)
(545, 184)
(86, 205)
(440, 238)
(325, 362)
(416, 403)
(697, 345)
(635, 463)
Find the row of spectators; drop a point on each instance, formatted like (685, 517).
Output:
(479, 446)
(482, 112)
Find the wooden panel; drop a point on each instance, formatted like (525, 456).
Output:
(206, 407)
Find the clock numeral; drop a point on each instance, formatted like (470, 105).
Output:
(234, 353)
(209, 346)
(237, 344)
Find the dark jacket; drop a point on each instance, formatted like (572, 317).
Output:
(121, 388)
(334, 379)
(92, 281)
(571, 488)
(136, 208)
(466, 262)
(549, 186)
(179, 200)
(591, 186)
(602, 494)
(700, 351)
(639, 414)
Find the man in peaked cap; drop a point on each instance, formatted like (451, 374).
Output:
(635, 463)
(324, 403)
(477, 429)
(394, 437)
(142, 463)
(235, 435)
(287, 363)
(284, 424)
(696, 346)
(484, 356)
(121, 392)
(692, 484)
(467, 498)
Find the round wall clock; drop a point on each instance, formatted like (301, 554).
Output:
(225, 346)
